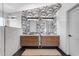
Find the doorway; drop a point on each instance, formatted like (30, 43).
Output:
(73, 30)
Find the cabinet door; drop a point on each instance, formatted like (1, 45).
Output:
(29, 40)
(50, 41)
(55, 40)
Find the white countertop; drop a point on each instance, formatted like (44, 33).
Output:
(29, 35)
(38, 35)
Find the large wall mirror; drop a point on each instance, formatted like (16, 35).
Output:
(42, 26)
(48, 26)
(33, 26)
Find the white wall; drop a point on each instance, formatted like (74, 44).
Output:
(15, 22)
(12, 40)
(12, 34)
(2, 19)
(62, 26)
(1, 40)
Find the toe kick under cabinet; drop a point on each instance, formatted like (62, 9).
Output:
(43, 41)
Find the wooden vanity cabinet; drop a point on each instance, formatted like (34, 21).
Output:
(44, 41)
(50, 41)
(29, 40)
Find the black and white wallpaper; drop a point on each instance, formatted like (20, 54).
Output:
(40, 20)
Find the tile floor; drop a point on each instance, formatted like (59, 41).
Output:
(41, 52)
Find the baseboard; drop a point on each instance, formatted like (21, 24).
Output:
(19, 52)
(63, 53)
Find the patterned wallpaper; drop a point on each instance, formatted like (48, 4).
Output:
(43, 26)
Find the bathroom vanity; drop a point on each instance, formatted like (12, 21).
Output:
(43, 22)
(37, 40)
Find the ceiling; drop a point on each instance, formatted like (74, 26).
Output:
(15, 7)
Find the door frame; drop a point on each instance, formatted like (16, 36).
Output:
(68, 27)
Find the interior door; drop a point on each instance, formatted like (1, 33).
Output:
(74, 30)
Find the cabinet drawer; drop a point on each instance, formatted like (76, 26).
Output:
(50, 41)
(29, 40)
